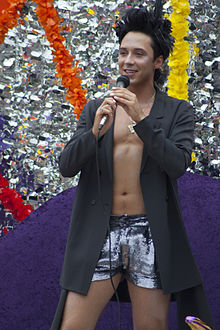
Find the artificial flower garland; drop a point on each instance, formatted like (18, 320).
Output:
(179, 59)
(49, 19)
(12, 201)
(9, 17)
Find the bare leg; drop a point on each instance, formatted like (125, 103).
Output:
(150, 308)
(82, 312)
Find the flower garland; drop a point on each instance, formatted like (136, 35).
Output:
(179, 59)
(49, 19)
(9, 17)
(12, 201)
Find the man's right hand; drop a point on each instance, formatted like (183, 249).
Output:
(107, 107)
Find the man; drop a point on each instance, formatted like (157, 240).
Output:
(144, 146)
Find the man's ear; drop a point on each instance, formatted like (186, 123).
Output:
(158, 62)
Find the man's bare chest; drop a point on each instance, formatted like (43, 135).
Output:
(123, 132)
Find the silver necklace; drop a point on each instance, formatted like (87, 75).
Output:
(133, 123)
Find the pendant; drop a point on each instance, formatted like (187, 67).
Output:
(131, 128)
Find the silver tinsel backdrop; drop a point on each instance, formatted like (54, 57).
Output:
(36, 120)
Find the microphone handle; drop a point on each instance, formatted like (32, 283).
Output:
(102, 122)
(120, 84)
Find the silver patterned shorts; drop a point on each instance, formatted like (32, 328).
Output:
(132, 252)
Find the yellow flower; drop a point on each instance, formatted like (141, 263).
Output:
(193, 157)
(179, 59)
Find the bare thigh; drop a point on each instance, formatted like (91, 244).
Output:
(150, 308)
(82, 312)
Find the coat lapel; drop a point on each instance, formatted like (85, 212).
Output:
(155, 117)
(108, 146)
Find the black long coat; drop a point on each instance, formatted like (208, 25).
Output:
(167, 134)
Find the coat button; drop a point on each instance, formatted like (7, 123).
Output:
(93, 202)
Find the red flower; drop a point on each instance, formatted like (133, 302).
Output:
(5, 230)
(3, 182)
(12, 201)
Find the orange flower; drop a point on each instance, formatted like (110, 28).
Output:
(9, 17)
(50, 20)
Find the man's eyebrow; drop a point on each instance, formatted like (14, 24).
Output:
(143, 50)
(124, 48)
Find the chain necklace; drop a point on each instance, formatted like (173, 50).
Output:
(133, 123)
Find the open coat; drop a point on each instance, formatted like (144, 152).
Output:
(167, 134)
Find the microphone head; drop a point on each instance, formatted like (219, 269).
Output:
(123, 81)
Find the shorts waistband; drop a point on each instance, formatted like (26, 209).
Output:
(126, 218)
(131, 216)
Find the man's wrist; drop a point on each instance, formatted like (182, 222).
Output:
(93, 132)
(140, 118)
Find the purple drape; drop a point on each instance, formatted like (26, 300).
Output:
(31, 258)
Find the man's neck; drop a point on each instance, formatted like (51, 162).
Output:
(143, 93)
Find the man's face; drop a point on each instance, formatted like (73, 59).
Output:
(136, 58)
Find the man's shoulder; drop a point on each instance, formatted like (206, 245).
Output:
(172, 100)
(172, 105)
(90, 108)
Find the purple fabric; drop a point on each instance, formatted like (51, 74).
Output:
(31, 258)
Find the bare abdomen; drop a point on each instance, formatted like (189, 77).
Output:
(127, 194)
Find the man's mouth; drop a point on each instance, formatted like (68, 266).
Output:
(129, 71)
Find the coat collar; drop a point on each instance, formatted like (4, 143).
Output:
(155, 117)
(157, 110)
(156, 114)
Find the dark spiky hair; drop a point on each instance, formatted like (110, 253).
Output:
(153, 24)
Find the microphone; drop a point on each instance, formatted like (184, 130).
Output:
(122, 82)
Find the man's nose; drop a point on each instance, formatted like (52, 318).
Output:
(129, 59)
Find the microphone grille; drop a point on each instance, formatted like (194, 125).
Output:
(123, 80)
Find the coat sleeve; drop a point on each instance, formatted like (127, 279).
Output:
(81, 146)
(172, 153)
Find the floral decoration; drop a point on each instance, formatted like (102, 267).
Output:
(179, 59)
(12, 201)
(48, 17)
(9, 17)
(50, 20)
